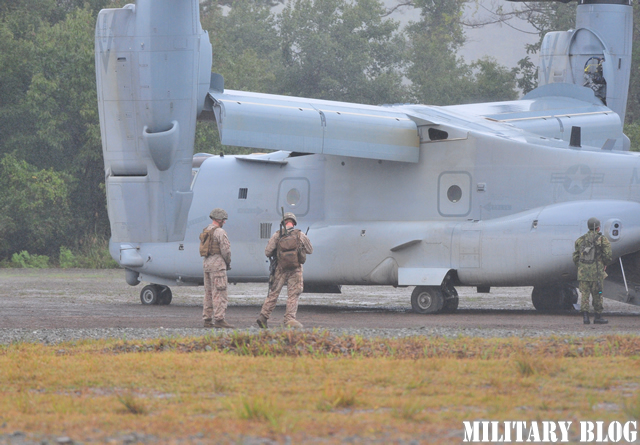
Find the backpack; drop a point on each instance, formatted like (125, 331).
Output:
(288, 251)
(588, 249)
(208, 245)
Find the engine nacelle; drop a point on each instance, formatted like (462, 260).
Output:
(153, 68)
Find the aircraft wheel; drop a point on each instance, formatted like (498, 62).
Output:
(542, 298)
(450, 305)
(427, 299)
(149, 294)
(164, 295)
(555, 297)
(451, 299)
(570, 297)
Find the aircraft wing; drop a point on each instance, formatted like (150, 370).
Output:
(265, 121)
(550, 111)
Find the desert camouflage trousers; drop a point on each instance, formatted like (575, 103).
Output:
(593, 289)
(293, 280)
(215, 295)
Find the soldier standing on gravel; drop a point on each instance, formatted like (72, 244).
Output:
(216, 250)
(592, 254)
(290, 247)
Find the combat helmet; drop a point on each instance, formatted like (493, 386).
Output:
(218, 214)
(593, 223)
(292, 217)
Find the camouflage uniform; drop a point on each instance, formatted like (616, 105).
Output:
(594, 78)
(591, 276)
(292, 278)
(215, 278)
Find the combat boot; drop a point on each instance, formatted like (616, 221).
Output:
(208, 323)
(262, 321)
(293, 323)
(599, 320)
(222, 324)
(585, 318)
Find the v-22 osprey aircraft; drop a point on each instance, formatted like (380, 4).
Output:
(482, 195)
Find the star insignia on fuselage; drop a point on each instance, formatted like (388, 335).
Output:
(577, 178)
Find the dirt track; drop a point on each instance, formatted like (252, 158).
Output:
(48, 299)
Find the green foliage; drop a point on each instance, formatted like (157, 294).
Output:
(340, 50)
(245, 44)
(633, 132)
(25, 260)
(437, 74)
(526, 75)
(491, 82)
(49, 133)
(93, 253)
(633, 105)
(546, 17)
(34, 207)
(67, 259)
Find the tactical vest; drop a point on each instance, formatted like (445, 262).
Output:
(288, 251)
(208, 244)
(588, 248)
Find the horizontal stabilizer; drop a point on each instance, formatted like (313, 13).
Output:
(271, 122)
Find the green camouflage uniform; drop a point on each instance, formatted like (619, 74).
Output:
(591, 276)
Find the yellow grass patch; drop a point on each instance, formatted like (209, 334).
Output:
(308, 385)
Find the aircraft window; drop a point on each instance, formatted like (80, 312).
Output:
(454, 193)
(242, 193)
(293, 197)
(437, 135)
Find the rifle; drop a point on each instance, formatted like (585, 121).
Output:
(283, 227)
(273, 259)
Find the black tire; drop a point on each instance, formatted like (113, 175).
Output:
(570, 295)
(149, 294)
(450, 305)
(451, 299)
(164, 295)
(427, 299)
(554, 297)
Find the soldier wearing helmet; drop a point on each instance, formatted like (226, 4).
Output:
(592, 254)
(216, 250)
(289, 246)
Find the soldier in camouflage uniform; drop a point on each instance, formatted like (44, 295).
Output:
(215, 266)
(591, 274)
(292, 277)
(594, 78)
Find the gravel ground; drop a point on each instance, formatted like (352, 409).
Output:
(53, 306)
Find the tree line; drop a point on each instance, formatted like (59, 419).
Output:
(52, 197)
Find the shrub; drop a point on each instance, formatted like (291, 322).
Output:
(25, 260)
(67, 258)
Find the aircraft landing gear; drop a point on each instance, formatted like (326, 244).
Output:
(554, 297)
(451, 299)
(155, 294)
(427, 299)
(435, 299)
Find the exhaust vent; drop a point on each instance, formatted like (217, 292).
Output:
(265, 230)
